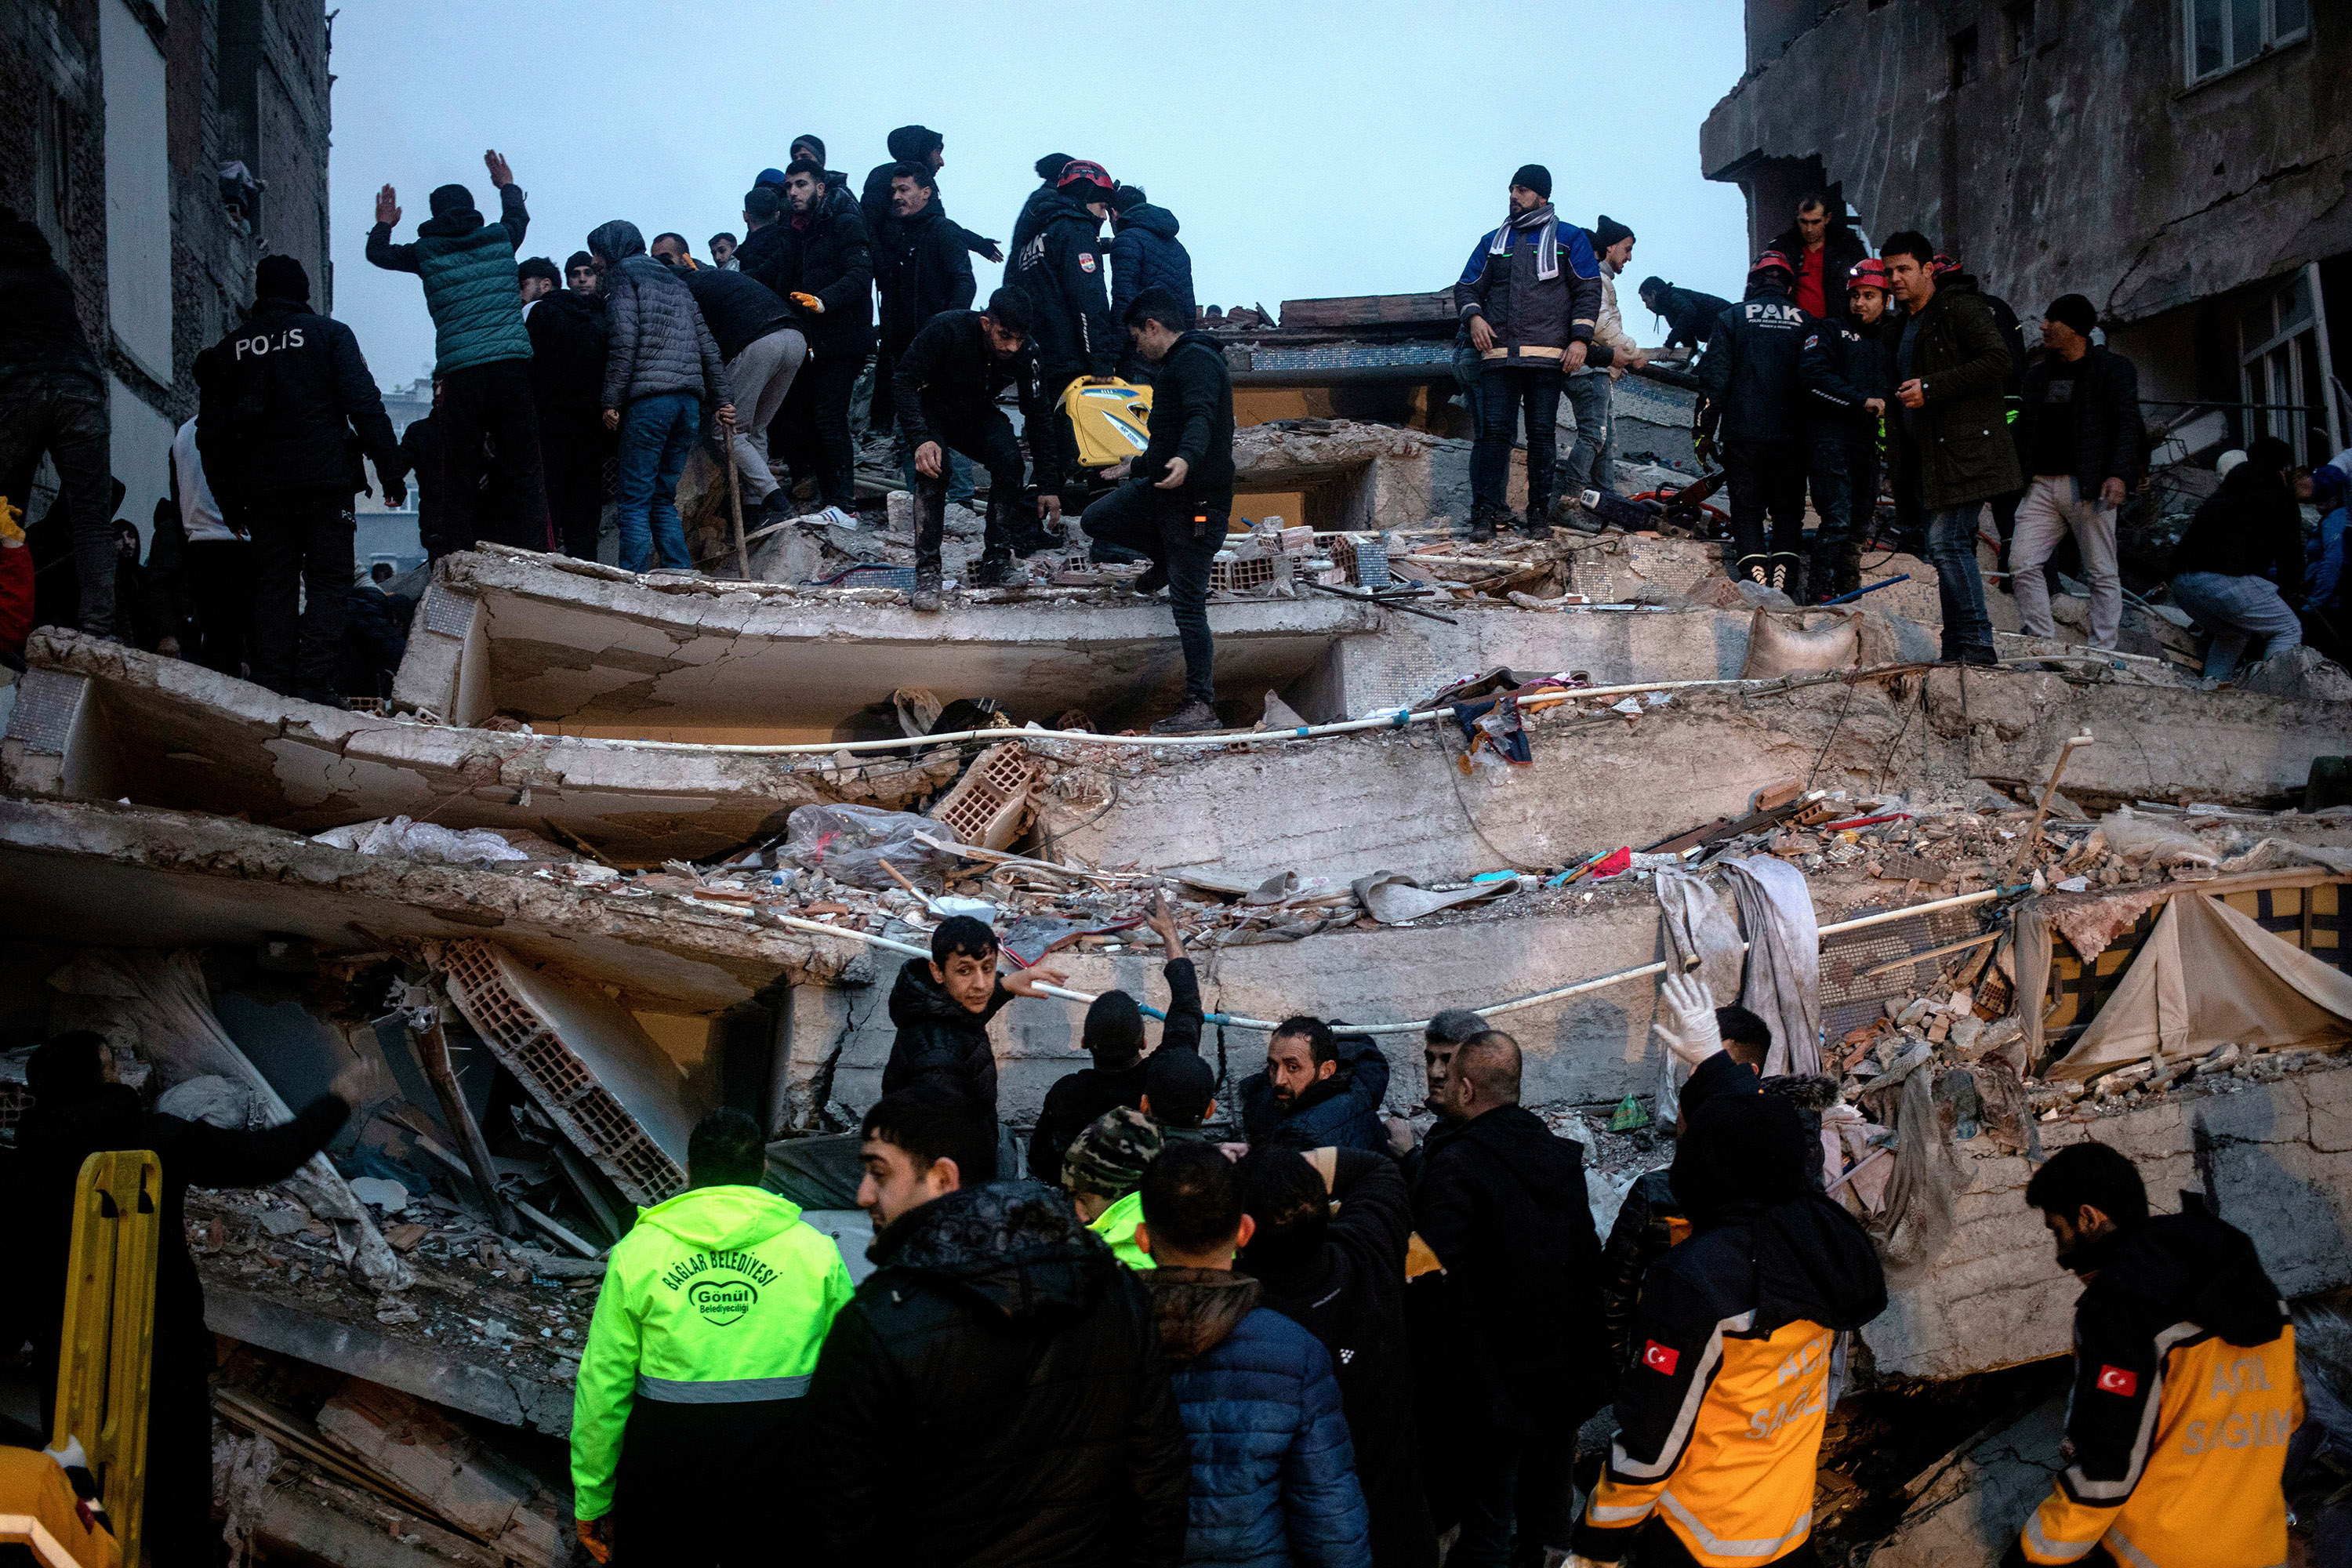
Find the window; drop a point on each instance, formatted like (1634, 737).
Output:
(2225, 33)
(1877, 5)
(2019, 15)
(2278, 358)
(1964, 56)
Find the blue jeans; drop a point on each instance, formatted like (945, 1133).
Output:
(958, 477)
(2237, 610)
(1592, 461)
(1952, 550)
(657, 433)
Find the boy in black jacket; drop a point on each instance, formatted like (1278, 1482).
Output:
(942, 1007)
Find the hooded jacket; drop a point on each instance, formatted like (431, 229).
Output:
(286, 402)
(1146, 254)
(1343, 1109)
(1737, 1349)
(467, 267)
(709, 1323)
(2106, 396)
(1061, 270)
(1274, 1472)
(39, 330)
(922, 269)
(940, 1037)
(568, 343)
(1516, 1323)
(2186, 1392)
(949, 374)
(1348, 1290)
(1192, 418)
(1841, 248)
(993, 1393)
(1076, 1099)
(881, 223)
(826, 253)
(1957, 443)
(658, 343)
(1752, 372)
(1533, 318)
(1035, 208)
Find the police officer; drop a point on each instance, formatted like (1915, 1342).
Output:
(1845, 399)
(2185, 1391)
(281, 398)
(1060, 268)
(706, 1332)
(1751, 379)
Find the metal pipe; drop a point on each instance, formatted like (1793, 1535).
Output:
(433, 1050)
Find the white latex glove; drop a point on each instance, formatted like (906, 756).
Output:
(1686, 1025)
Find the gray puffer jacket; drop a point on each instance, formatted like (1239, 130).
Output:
(659, 340)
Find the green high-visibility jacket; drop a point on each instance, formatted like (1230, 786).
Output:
(1115, 1225)
(719, 1296)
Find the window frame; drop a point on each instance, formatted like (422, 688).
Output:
(2271, 40)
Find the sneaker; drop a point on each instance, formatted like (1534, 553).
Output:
(1155, 578)
(926, 596)
(1195, 718)
(990, 572)
(1114, 555)
(832, 517)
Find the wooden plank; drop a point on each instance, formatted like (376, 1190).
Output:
(1366, 310)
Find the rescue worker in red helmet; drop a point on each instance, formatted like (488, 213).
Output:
(1063, 271)
(1845, 397)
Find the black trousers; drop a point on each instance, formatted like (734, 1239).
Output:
(571, 449)
(1518, 1498)
(64, 414)
(812, 429)
(1182, 537)
(985, 436)
(179, 1531)
(1766, 477)
(1503, 391)
(219, 574)
(1055, 381)
(494, 401)
(302, 553)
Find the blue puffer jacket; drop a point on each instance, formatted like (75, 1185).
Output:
(1147, 254)
(1342, 1110)
(1274, 1472)
(467, 267)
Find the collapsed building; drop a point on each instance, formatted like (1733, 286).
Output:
(622, 849)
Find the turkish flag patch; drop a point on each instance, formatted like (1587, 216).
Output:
(1086, 261)
(2115, 1380)
(1660, 1358)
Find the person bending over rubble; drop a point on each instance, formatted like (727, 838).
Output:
(942, 1007)
(78, 1111)
(1318, 1088)
(2186, 1389)
(707, 1329)
(1740, 1337)
(995, 1391)
(1103, 1171)
(1114, 1037)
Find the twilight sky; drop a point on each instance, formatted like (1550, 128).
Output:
(1307, 149)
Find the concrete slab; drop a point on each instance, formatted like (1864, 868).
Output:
(2274, 1159)
(96, 721)
(130, 877)
(1969, 1516)
(587, 651)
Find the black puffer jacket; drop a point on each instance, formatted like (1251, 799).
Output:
(949, 372)
(567, 355)
(739, 310)
(921, 269)
(830, 255)
(1752, 373)
(995, 1393)
(1515, 1331)
(939, 1037)
(1348, 1292)
(1340, 1112)
(286, 402)
(1061, 270)
(2106, 416)
(658, 344)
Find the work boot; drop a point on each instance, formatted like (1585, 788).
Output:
(1016, 528)
(1536, 524)
(1482, 523)
(991, 569)
(926, 596)
(1574, 513)
(1755, 569)
(1848, 577)
(1194, 718)
(1154, 578)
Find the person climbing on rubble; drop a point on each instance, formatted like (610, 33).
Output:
(822, 260)
(941, 1005)
(1177, 495)
(1276, 1479)
(1113, 1037)
(1689, 316)
(1146, 254)
(946, 383)
(2186, 1388)
(1316, 1087)
(1058, 267)
(2080, 436)
(707, 1331)
(1102, 1172)
(1532, 294)
(995, 1391)
(1750, 381)
(79, 1110)
(2237, 568)
(1844, 400)
(1737, 1349)
(1591, 460)
(1506, 1322)
(1332, 1229)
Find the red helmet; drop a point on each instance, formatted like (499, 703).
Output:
(1941, 265)
(1868, 273)
(1078, 173)
(1772, 261)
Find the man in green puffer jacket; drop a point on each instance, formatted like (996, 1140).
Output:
(481, 350)
(706, 1332)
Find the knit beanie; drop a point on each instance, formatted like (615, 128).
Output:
(1127, 198)
(2074, 310)
(450, 199)
(1107, 1159)
(914, 144)
(1114, 1029)
(1535, 177)
(538, 266)
(806, 140)
(578, 258)
(1608, 232)
(281, 278)
(1049, 167)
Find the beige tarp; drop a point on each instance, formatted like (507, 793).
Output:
(2208, 976)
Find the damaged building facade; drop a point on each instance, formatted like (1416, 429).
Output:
(2181, 162)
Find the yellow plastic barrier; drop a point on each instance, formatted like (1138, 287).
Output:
(108, 1333)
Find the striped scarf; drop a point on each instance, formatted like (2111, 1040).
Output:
(1547, 243)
